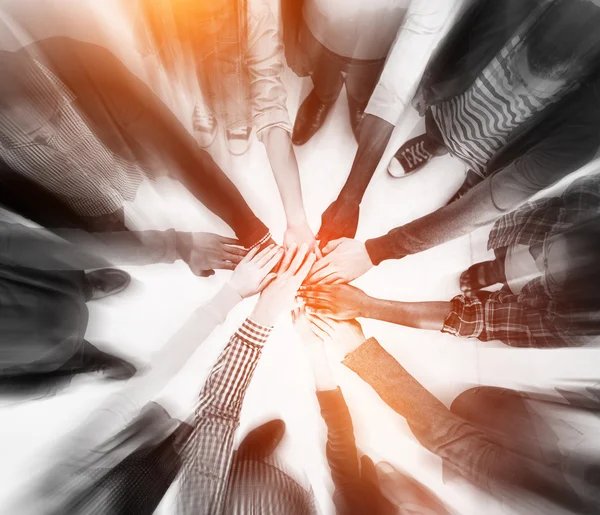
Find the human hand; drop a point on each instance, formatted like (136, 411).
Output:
(254, 272)
(337, 301)
(299, 234)
(205, 251)
(304, 328)
(344, 260)
(345, 335)
(279, 295)
(339, 220)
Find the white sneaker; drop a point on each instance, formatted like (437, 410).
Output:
(238, 140)
(204, 124)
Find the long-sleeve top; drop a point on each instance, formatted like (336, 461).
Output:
(209, 451)
(132, 123)
(468, 450)
(87, 447)
(424, 24)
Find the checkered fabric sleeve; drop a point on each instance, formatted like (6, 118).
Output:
(524, 320)
(209, 451)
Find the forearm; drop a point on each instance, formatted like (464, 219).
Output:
(283, 162)
(420, 315)
(323, 376)
(472, 211)
(374, 137)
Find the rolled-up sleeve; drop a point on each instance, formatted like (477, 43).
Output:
(524, 320)
(265, 65)
(425, 23)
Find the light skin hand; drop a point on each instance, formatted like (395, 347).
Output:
(204, 252)
(299, 234)
(278, 297)
(344, 260)
(345, 336)
(339, 301)
(254, 272)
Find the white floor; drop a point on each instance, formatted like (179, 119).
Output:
(142, 318)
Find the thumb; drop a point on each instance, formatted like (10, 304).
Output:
(332, 245)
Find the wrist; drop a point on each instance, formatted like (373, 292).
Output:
(296, 220)
(264, 314)
(365, 306)
(183, 245)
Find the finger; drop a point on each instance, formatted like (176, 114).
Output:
(308, 295)
(272, 263)
(287, 258)
(319, 265)
(319, 333)
(264, 259)
(323, 321)
(298, 259)
(317, 250)
(230, 241)
(368, 471)
(332, 245)
(321, 276)
(312, 304)
(337, 279)
(236, 251)
(266, 281)
(206, 273)
(234, 258)
(251, 253)
(264, 252)
(226, 265)
(305, 268)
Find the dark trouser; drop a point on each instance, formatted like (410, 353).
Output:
(326, 69)
(42, 326)
(432, 130)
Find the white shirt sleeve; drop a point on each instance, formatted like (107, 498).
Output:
(425, 23)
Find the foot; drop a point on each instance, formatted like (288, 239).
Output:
(481, 275)
(204, 124)
(261, 442)
(414, 155)
(357, 112)
(111, 366)
(238, 140)
(106, 281)
(471, 181)
(310, 118)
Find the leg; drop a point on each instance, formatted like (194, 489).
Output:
(326, 74)
(361, 80)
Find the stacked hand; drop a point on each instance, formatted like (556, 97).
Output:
(299, 234)
(344, 260)
(337, 301)
(255, 271)
(339, 220)
(204, 252)
(278, 296)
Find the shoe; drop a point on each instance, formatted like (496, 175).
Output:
(261, 442)
(204, 124)
(414, 155)
(357, 113)
(310, 118)
(238, 140)
(106, 281)
(111, 366)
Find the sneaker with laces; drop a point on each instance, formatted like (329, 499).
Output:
(204, 124)
(238, 140)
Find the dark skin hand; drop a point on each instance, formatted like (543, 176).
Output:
(338, 301)
(340, 219)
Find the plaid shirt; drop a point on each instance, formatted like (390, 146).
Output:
(208, 454)
(534, 221)
(534, 317)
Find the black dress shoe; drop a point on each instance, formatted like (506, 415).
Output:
(261, 442)
(106, 281)
(310, 118)
(357, 113)
(111, 366)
